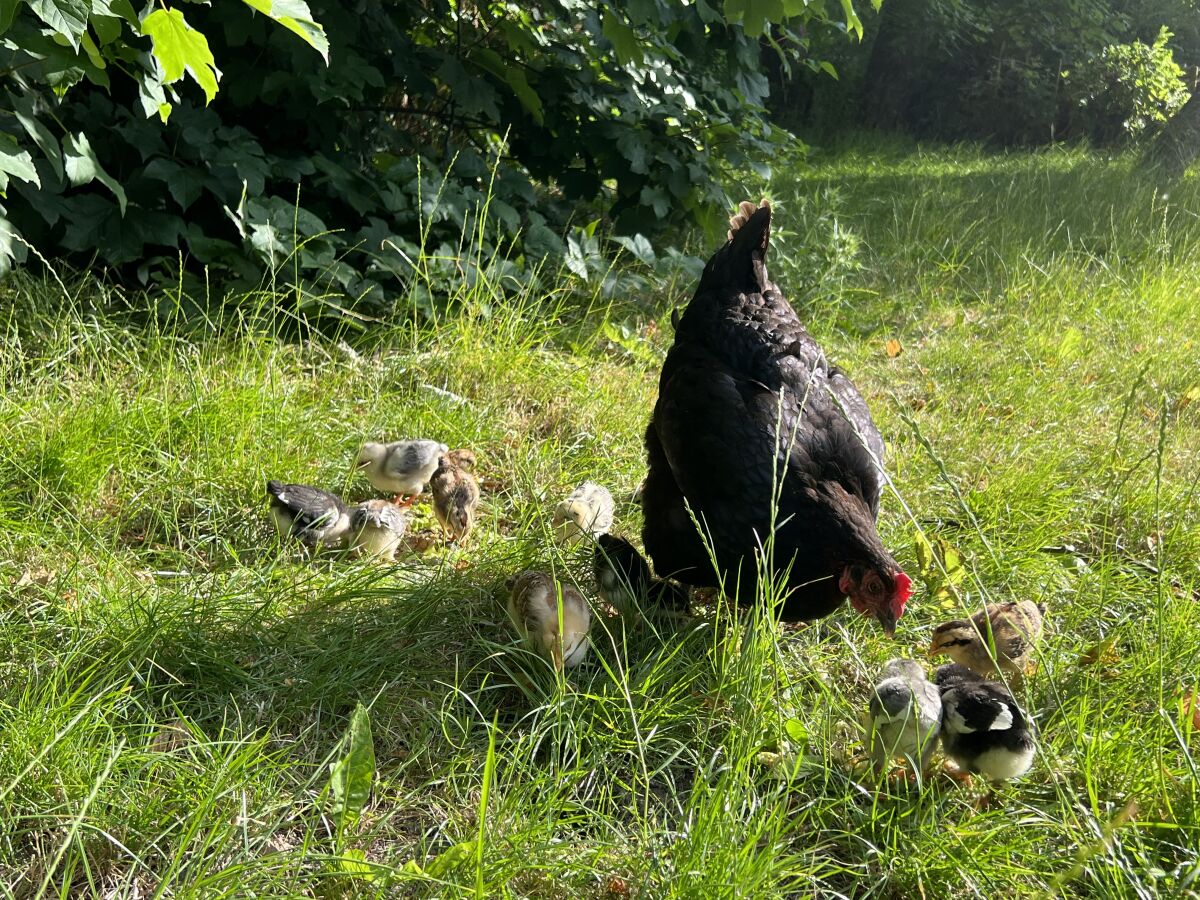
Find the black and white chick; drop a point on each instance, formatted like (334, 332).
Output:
(903, 717)
(377, 527)
(623, 578)
(984, 731)
(312, 516)
(402, 468)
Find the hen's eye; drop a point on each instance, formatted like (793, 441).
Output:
(875, 587)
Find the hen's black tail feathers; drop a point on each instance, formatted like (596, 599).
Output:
(742, 263)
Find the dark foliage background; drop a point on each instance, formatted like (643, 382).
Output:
(355, 181)
(1017, 73)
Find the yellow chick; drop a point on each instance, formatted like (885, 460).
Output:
(587, 511)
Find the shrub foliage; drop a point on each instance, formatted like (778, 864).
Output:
(245, 140)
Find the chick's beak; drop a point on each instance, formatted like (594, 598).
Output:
(887, 622)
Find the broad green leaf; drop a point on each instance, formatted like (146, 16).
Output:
(11, 249)
(796, 731)
(15, 162)
(515, 76)
(754, 14)
(622, 37)
(92, 51)
(449, 860)
(639, 247)
(83, 167)
(22, 108)
(67, 18)
(352, 773)
(119, 9)
(354, 864)
(827, 67)
(178, 47)
(8, 10)
(512, 75)
(853, 22)
(296, 17)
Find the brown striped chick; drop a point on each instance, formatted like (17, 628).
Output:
(455, 498)
(1012, 629)
(534, 607)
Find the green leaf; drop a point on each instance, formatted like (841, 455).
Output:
(515, 76)
(827, 67)
(853, 22)
(296, 17)
(83, 167)
(22, 108)
(15, 162)
(511, 74)
(639, 247)
(796, 731)
(353, 864)
(754, 14)
(178, 47)
(622, 37)
(66, 17)
(449, 860)
(11, 248)
(8, 10)
(352, 773)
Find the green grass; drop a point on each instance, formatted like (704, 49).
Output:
(174, 684)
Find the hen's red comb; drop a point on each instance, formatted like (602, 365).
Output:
(903, 588)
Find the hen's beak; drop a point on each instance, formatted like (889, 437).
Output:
(886, 621)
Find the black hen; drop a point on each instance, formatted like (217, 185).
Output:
(750, 410)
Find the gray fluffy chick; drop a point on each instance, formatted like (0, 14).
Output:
(903, 716)
(402, 468)
(377, 527)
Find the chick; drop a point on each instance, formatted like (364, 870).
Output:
(983, 729)
(402, 468)
(455, 498)
(903, 716)
(1011, 628)
(533, 606)
(587, 511)
(464, 459)
(314, 517)
(377, 527)
(622, 575)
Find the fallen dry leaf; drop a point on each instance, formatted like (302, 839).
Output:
(1190, 396)
(34, 577)
(616, 887)
(461, 565)
(1189, 708)
(170, 737)
(893, 348)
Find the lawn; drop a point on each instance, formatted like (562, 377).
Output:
(175, 683)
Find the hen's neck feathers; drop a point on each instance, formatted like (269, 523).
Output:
(741, 265)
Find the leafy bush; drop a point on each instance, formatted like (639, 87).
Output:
(416, 123)
(1126, 89)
